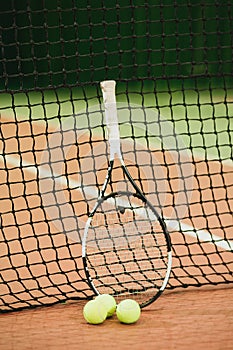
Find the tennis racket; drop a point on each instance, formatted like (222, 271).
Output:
(126, 249)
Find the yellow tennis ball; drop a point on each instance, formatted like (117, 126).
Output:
(128, 311)
(108, 302)
(94, 312)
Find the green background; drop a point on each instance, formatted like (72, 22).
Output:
(56, 43)
(172, 55)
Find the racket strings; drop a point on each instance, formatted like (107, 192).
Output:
(126, 247)
(119, 284)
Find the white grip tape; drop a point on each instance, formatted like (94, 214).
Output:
(109, 97)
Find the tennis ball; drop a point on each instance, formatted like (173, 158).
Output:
(94, 312)
(108, 302)
(128, 311)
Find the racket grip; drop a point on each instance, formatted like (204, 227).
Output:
(109, 97)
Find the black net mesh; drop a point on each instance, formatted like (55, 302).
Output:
(173, 65)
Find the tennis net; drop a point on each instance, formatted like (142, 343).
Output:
(173, 65)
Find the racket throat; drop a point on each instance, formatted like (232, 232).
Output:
(131, 180)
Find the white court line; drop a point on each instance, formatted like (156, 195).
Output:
(202, 235)
(42, 172)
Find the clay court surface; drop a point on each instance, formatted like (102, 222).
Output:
(172, 63)
(200, 318)
(194, 319)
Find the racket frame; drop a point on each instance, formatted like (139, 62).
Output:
(114, 143)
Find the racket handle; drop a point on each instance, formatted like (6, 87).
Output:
(109, 97)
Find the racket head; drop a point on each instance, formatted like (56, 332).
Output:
(126, 248)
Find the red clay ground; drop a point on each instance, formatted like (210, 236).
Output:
(193, 319)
